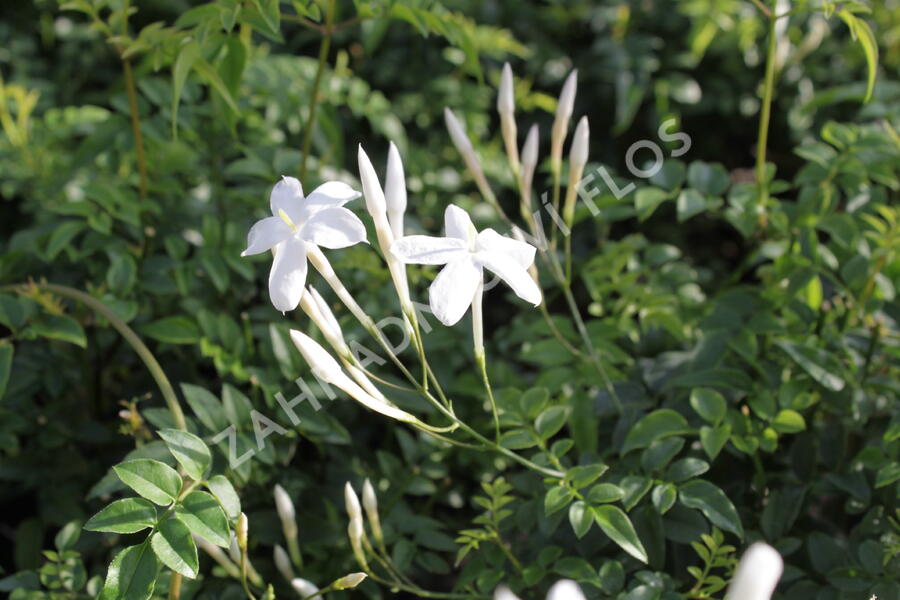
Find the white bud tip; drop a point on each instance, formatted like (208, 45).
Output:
(530, 149)
(580, 142)
(241, 531)
(352, 502)
(457, 133)
(504, 593)
(322, 363)
(757, 574)
(567, 96)
(305, 588)
(565, 589)
(374, 195)
(506, 101)
(370, 501)
(395, 182)
(283, 503)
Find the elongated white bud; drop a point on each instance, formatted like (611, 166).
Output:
(234, 551)
(565, 589)
(757, 574)
(305, 588)
(319, 313)
(348, 582)
(356, 532)
(372, 192)
(241, 530)
(370, 503)
(578, 156)
(283, 563)
(285, 509)
(395, 191)
(506, 107)
(564, 108)
(529, 163)
(465, 149)
(326, 368)
(351, 502)
(217, 555)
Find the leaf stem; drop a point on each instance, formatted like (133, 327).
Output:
(324, 47)
(766, 111)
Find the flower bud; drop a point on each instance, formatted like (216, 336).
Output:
(465, 149)
(285, 509)
(529, 163)
(757, 574)
(370, 503)
(234, 551)
(356, 532)
(564, 108)
(578, 155)
(372, 192)
(241, 531)
(395, 191)
(217, 555)
(326, 368)
(565, 589)
(320, 313)
(351, 502)
(506, 106)
(305, 589)
(283, 563)
(348, 582)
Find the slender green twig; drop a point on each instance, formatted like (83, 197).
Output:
(766, 111)
(156, 371)
(324, 48)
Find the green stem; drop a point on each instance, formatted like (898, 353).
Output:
(156, 371)
(482, 365)
(136, 126)
(324, 47)
(766, 112)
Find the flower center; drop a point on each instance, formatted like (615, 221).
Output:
(287, 219)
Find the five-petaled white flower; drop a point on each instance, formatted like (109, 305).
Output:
(317, 219)
(466, 253)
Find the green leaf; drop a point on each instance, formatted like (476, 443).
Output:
(616, 524)
(686, 468)
(820, 365)
(709, 404)
(585, 475)
(6, 357)
(173, 330)
(124, 516)
(713, 439)
(61, 237)
(550, 421)
(155, 481)
(203, 515)
(122, 273)
(713, 503)
(647, 199)
(605, 492)
(581, 518)
(188, 54)
(657, 425)
(863, 34)
(663, 496)
(206, 406)
(189, 450)
(225, 494)
(211, 76)
(708, 178)
(174, 546)
(237, 407)
(691, 203)
(131, 575)
(789, 421)
(517, 439)
(556, 499)
(59, 327)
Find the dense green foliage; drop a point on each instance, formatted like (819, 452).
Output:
(747, 334)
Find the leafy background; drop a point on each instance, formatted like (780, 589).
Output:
(754, 347)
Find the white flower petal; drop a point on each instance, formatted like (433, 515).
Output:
(288, 274)
(266, 233)
(453, 289)
(757, 574)
(504, 593)
(514, 274)
(334, 227)
(286, 195)
(458, 224)
(491, 241)
(426, 250)
(332, 193)
(565, 589)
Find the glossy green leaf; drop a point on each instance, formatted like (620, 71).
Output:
(618, 527)
(657, 425)
(189, 450)
(155, 481)
(709, 404)
(713, 439)
(580, 518)
(131, 574)
(204, 516)
(550, 421)
(175, 548)
(713, 503)
(556, 499)
(124, 516)
(59, 327)
(224, 492)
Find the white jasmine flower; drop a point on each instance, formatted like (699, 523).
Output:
(297, 223)
(466, 253)
(757, 574)
(326, 368)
